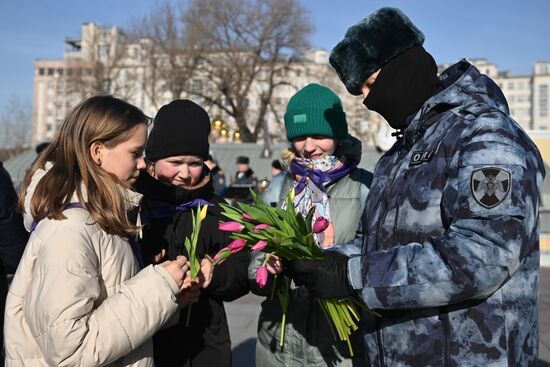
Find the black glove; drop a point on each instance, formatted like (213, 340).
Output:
(326, 278)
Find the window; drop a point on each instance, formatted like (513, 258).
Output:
(50, 71)
(543, 100)
(41, 71)
(104, 51)
(511, 85)
(196, 86)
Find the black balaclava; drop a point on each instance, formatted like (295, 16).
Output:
(403, 85)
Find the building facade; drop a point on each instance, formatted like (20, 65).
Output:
(103, 61)
(527, 95)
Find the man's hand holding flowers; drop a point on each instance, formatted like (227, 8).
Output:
(325, 278)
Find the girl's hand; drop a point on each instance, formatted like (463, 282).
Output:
(158, 257)
(274, 264)
(190, 290)
(177, 269)
(205, 275)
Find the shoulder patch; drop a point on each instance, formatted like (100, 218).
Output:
(490, 186)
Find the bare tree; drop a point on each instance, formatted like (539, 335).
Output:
(16, 123)
(249, 44)
(170, 54)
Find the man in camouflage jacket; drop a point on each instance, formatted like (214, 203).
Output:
(450, 252)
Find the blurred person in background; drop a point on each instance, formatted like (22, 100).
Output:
(13, 238)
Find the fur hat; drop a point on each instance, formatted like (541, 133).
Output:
(370, 44)
(243, 160)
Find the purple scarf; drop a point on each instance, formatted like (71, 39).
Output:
(162, 210)
(320, 178)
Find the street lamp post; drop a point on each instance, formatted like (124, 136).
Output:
(266, 151)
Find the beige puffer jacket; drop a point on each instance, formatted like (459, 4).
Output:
(78, 297)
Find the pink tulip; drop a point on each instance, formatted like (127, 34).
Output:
(259, 246)
(247, 217)
(320, 225)
(261, 226)
(221, 252)
(261, 276)
(231, 227)
(237, 245)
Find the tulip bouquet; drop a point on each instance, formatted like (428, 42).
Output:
(191, 247)
(288, 235)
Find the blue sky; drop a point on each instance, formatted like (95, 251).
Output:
(509, 33)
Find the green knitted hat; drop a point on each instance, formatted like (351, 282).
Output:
(315, 110)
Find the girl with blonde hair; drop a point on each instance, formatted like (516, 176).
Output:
(78, 296)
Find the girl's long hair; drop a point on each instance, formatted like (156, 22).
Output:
(102, 118)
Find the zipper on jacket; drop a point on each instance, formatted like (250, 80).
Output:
(385, 202)
(445, 325)
(384, 212)
(405, 176)
(379, 344)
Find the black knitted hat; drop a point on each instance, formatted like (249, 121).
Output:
(180, 128)
(370, 44)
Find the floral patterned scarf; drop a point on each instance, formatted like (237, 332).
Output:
(311, 178)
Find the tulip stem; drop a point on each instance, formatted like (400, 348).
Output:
(188, 318)
(283, 298)
(273, 286)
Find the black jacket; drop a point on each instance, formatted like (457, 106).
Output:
(206, 341)
(13, 237)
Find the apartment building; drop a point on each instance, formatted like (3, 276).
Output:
(540, 86)
(527, 95)
(126, 72)
(60, 84)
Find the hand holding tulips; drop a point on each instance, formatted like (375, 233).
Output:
(274, 264)
(200, 272)
(191, 289)
(177, 269)
(326, 278)
(286, 235)
(205, 274)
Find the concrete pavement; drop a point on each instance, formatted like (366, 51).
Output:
(243, 314)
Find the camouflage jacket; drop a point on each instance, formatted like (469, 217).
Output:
(451, 251)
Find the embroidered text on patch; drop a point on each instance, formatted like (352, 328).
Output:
(421, 157)
(298, 119)
(490, 186)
